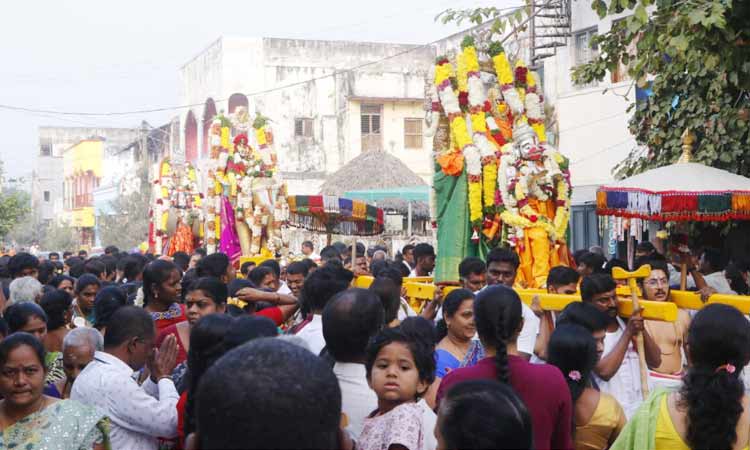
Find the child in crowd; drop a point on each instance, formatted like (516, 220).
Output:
(400, 367)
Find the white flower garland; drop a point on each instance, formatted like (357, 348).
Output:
(513, 99)
(476, 90)
(473, 160)
(533, 106)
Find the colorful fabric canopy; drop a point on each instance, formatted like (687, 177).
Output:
(678, 192)
(335, 215)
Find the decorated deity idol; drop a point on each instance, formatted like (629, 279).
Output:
(177, 213)
(244, 180)
(497, 181)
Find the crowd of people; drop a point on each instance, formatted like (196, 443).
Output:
(130, 351)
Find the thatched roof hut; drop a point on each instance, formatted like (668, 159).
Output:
(377, 170)
(370, 170)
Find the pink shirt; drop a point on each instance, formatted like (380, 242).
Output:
(540, 386)
(402, 425)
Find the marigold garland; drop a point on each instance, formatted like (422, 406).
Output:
(489, 183)
(460, 135)
(475, 153)
(475, 198)
(500, 183)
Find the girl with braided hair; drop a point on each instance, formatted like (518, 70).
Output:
(710, 409)
(542, 387)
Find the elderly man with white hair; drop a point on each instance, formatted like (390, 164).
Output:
(79, 346)
(25, 289)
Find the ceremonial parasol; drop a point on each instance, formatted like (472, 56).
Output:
(680, 192)
(684, 191)
(334, 215)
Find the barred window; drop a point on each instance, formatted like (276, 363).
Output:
(413, 133)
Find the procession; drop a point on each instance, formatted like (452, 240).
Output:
(530, 234)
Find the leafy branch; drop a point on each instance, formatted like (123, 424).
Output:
(500, 19)
(695, 57)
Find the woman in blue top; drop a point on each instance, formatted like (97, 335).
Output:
(456, 344)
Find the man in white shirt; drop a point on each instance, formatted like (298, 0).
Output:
(319, 287)
(308, 251)
(502, 267)
(618, 371)
(707, 275)
(139, 414)
(349, 321)
(407, 255)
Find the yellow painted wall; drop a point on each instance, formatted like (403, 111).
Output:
(84, 156)
(82, 217)
(392, 129)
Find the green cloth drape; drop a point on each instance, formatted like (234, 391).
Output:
(454, 229)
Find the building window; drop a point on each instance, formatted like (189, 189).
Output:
(621, 74)
(413, 133)
(370, 127)
(303, 128)
(584, 50)
(45, 150)
(46, 196)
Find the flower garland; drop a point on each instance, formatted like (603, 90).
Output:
(460, 135)
(524, 182)
(504, 182)
(178, 193)
(519, 75)
(535, 106)
(433, 118)
(467, 68)
(505, 78)
(479, 109)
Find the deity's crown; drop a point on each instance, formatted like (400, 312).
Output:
(523, 132)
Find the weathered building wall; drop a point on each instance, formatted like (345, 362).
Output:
(321, 91)
(392, 122)
(48, 173)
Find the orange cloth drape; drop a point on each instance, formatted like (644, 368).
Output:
(536, 253)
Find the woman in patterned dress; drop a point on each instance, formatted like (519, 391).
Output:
(30, 318)
(30, 420)
(161, 292)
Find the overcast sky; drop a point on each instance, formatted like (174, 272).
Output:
(102, 56)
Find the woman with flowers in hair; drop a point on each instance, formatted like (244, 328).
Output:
(710, 409)
(597, 417)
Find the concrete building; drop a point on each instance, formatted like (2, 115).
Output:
(591, 122)
(127, 169)
(323, 114)
(82, 170)
(47, 177)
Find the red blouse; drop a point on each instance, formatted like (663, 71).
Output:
(172, 316)
(172, 329)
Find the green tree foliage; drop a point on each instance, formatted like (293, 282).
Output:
(696, 55)
(15, 206)
(59, 237)
(500, 20)
(128, 227)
